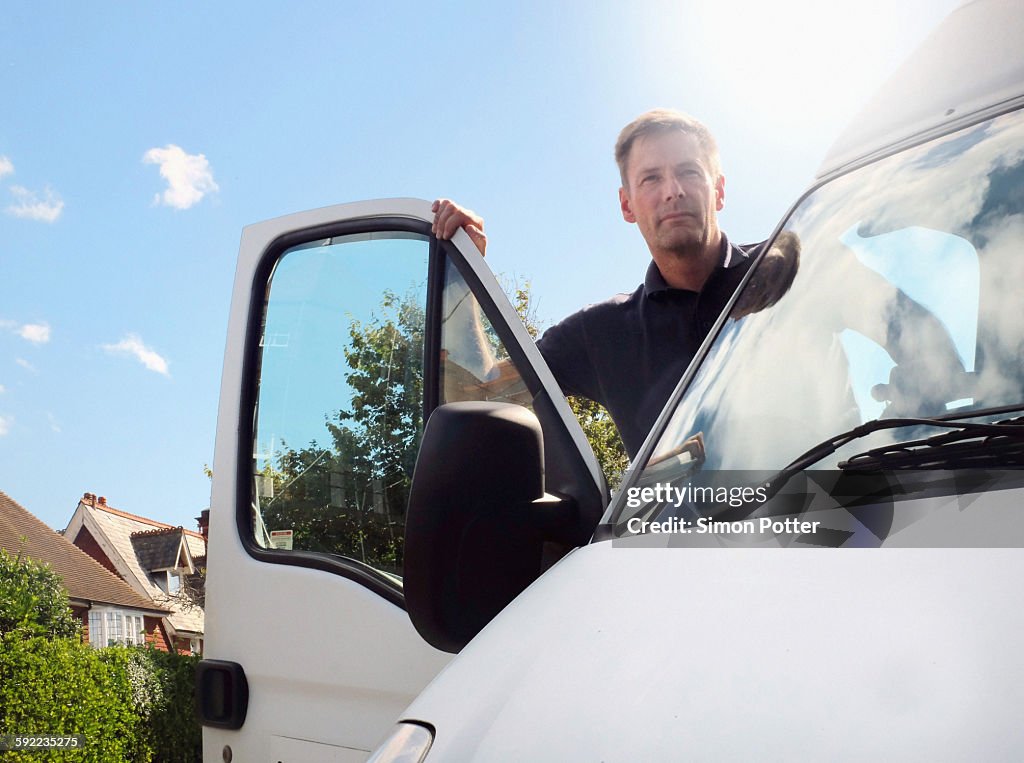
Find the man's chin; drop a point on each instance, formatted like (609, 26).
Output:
(682, 247)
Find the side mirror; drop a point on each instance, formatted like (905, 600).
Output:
(478, 518)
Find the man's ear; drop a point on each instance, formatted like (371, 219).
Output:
(627, 212)
(720, 193)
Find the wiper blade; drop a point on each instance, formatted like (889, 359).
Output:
(953, 450)
(949, 421)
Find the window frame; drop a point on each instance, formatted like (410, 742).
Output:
(121, 617)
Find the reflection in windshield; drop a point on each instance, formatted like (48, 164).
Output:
(773, 277)
(893, 292)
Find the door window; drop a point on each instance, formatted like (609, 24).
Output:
(474, 362)
(340, 403)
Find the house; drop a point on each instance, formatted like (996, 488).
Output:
(107, 607)
(159, 561)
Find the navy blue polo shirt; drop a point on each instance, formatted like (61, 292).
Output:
(629, 352)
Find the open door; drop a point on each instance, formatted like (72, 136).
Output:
(349, 326)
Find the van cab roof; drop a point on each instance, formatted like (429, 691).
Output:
(933, 88)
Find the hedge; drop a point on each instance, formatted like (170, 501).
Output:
(130, 704)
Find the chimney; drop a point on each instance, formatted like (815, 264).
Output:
(102, 500)
(204, 524)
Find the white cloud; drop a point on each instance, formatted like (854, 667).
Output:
(132, 345)
(6, 168)
(3, 389)
(5, 424)
(29, 205)
(188, 176)
(25, 364)
(37, 333)
(54, 425)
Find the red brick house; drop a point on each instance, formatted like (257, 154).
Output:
(160, 562)
(107, 607)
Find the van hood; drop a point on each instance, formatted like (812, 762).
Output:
(622, 653)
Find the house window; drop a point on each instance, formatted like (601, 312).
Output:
(135, 630)
(115, 626)
(96, 628)
(115, 633)
(169, 581)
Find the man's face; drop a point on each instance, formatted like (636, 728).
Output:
(671, 193)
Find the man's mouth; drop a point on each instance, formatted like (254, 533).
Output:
(677, 216)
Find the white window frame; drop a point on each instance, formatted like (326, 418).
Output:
(170, 579)
(110, 625)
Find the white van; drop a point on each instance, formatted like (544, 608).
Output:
(817, 553)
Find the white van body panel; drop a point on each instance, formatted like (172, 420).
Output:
(626, 654)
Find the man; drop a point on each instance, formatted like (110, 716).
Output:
(629, 352)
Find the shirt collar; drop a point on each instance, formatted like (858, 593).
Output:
(729, 257)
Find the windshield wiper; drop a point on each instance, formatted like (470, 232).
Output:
(954, 450)
(1003, 432)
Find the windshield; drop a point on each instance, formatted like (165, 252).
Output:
(893, 291)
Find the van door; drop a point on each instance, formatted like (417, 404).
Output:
(349, 325)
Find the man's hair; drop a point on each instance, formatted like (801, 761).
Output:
(659, 121)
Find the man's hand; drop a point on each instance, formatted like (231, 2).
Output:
(449, 217)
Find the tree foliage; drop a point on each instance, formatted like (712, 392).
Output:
(33, 600)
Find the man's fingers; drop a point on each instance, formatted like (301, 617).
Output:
(446, 220)
(478, 237)
(449, 217)
(438, 208)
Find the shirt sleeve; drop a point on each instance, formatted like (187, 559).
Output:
(565, 351)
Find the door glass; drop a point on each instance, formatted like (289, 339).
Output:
(474, 363)
(340, 406)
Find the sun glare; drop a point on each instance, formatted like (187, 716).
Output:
(792, 60)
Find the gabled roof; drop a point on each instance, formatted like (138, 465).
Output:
(162, 549)
(113, 530)
(85, 579)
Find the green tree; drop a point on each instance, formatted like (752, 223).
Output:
(33, 600)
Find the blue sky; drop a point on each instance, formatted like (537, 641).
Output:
(137, 140)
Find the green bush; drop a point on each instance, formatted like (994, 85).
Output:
(173, 730)
(130, 704)
(62, 686)
(33, 601)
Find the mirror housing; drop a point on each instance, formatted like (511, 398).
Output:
(478, 518)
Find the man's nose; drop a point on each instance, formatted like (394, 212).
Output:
(674, 188)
